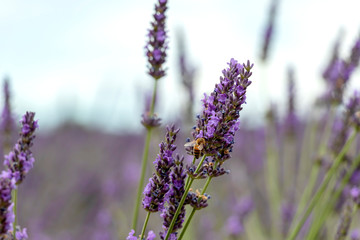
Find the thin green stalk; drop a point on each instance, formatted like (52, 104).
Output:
(272, 171)
(144, 162)
(182, 200)
(193, 210)
(323, 186)
(332, 197)
(315, 170)
(142, 235)
(14, 193)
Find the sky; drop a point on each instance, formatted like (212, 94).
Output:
(84, 60)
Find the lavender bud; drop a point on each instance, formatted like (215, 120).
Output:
(157, 45)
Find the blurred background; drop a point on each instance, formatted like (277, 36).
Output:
(81, 66)
(84, 60)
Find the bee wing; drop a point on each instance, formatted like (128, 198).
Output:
(189, 144)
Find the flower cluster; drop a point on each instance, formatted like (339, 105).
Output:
(20, 160)
(7, 184)
(157, 42)
(338, 74)
(7, 120)
(173, 197)
(151, 236)
(221, 110)
(158, 185)
(269, 30)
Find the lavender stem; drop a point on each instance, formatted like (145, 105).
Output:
(142, 178)
(333, 197)
(144, 162)
(183, 200)
(193, 210)
(14, 196)
(144, 226)
(323, 186)
(315, 170)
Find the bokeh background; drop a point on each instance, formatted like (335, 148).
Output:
(84, 60)
(80, 66)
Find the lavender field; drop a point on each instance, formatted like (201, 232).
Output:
(233, 163)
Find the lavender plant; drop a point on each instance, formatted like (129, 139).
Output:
(18, 162)
(215, 128)
(155, 49)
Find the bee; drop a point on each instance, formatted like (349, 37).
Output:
(197, 145)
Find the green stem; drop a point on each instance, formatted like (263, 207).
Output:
(323, 186)
(272, 172)
(315, 170)
(144, 162)
(14, 193)
(183, 200)
(333, 197)
(142, 178)
(142, 235)
(193, 210)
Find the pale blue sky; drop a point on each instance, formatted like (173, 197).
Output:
(87, 57)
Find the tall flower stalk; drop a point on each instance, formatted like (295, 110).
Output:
(155, 49)
(20, 160)
(217, 125)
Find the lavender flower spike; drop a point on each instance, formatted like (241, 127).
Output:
(221, 111)
(173, 197)
(7, 120)
(7, 184)
(159, 184)
(151, 236)
(20, 160)
(157, 45)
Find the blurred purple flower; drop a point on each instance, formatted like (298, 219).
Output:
(21, 234)
(157, 45)
(234, 226)
(151, 235)
(269, 30)
(355, 234)
(7, 124)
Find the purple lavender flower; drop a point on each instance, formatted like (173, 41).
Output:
(234, 226)
(20, 160)
(345, 221)
(157, 45)
(269, 30)
(287, 215)
(173, 198)
(291, 118)
(7, 184)
(187, 73)
(7, 121)
(353, 110)
(21, 234)
(221, 110)
(355, 234)
(337, 75)
(158, 185)
(151, 236)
